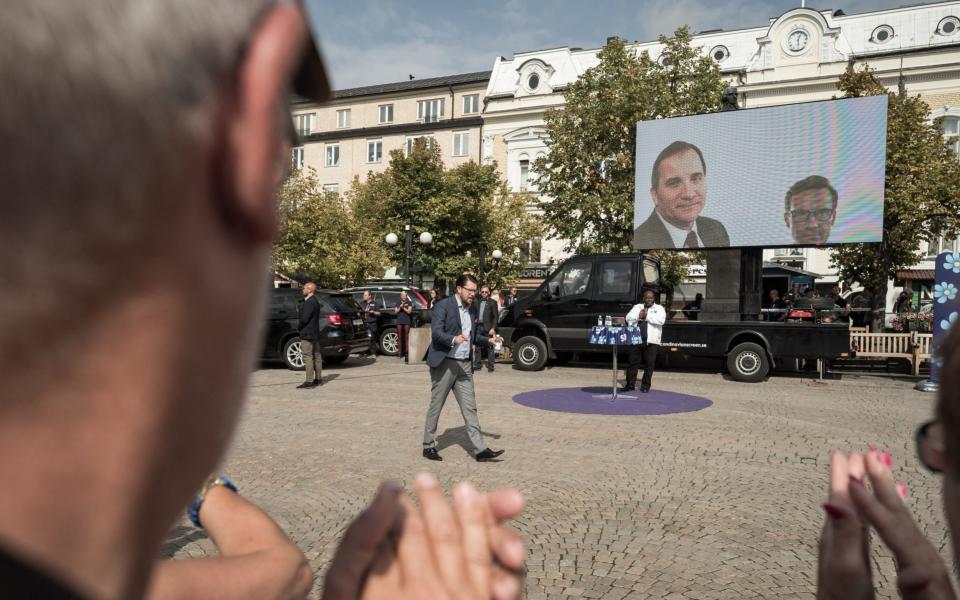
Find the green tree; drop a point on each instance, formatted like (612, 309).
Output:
(921, 195)
(464, 208)
(323, 236)
(589, 173)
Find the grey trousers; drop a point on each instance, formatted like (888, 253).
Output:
(456, 375)
(312, 361)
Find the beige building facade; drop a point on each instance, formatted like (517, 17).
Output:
(795, 57)
(354, 134)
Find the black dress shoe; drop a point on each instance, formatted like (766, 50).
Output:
(490, 369)
(627, 388)
(644, 389)
(317, 382)
(487, 454)
(432, 454)
(306, 385)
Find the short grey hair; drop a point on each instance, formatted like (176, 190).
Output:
(103, 104)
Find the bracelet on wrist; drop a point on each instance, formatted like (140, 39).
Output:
(193, 511)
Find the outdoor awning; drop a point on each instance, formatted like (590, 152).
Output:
(915, 275)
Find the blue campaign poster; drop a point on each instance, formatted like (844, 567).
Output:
(946, 305)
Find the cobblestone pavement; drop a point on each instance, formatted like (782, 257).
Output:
(721, 503)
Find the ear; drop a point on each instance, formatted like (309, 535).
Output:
(653, 196)
(786, 219)
(254, 132)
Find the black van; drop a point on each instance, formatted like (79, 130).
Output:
(342, 329)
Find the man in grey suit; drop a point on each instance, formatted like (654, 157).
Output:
(678, 186)
(453, 334)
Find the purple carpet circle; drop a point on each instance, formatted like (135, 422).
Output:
(598, 401)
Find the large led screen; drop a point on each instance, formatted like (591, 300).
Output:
(798, 175)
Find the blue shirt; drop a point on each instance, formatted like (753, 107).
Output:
(461, 351)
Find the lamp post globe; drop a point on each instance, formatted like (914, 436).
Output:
(391, 239)
(497, 255)
(426, 238)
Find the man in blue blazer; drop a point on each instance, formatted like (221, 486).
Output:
(453, 335)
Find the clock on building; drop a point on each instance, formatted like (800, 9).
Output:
(797, 40)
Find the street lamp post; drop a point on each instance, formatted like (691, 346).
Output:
(497, 255)
(426, 238)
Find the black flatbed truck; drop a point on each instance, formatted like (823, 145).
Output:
(554, 322)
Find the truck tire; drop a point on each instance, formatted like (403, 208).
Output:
(748, 362)
(293, 355)
(529, 353)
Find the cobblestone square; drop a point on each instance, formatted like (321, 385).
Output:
(720, 503)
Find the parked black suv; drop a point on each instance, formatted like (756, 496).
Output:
(387, 297)
(342, 328)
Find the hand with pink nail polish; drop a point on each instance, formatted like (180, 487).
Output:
(843, 570)
(921, 572)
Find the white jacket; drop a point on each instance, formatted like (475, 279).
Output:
(656, 317)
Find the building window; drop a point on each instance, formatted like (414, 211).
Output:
(343, 118)
(948, 26)
(333, 188)
(430, 111)
(530, 250)
(941, 245)
(333, 155)
(471, 104)
(461, 143)
(533, 82)
(951, 133)
(882, 34)
(386, 113)
(720, 53)
(296, 156)
(374, 151)
(410, 140)
(304, 123)
(524, 174)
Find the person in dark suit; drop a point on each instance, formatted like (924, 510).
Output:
(309, 317)
(489, 312)
(453, 335)
(510, 298)
(678, 186)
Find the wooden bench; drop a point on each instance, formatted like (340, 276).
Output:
(921, 349)
(913, 346)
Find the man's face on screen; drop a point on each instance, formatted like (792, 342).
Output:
(682, 190)
(812, 214)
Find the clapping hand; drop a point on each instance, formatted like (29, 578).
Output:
(394, 550)
(921, 573)
(844, 562)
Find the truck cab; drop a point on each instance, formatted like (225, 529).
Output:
(551, 323)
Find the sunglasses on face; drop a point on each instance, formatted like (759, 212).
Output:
(929, 443)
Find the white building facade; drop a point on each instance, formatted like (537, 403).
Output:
(796, 57)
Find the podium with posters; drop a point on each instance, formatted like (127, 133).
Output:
(616, 337)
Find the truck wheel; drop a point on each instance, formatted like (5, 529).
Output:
(748, 362)
(530, 353)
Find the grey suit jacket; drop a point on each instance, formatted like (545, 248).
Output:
(652, 234)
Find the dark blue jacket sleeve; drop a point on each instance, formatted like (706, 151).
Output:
(438, 325)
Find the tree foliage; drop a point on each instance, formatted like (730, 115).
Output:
(467, 209)
(922, 188)
(589, 174)
(323, 237)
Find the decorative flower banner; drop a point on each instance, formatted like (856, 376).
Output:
(946, 307)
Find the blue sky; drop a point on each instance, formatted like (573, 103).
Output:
(367, 42)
